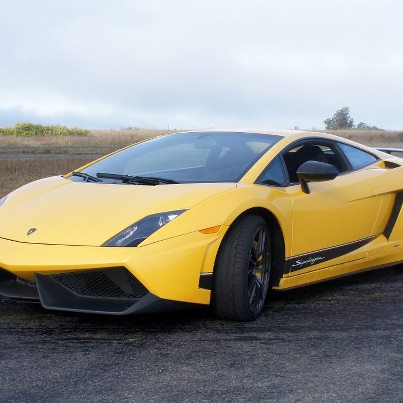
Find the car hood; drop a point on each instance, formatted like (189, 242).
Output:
(64, 212)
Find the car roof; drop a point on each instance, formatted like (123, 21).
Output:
(275, 132)
(292, 135)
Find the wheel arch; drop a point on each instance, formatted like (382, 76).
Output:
(276, 237)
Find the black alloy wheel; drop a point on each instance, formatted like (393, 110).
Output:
(242, 270)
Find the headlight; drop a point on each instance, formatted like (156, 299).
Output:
(139, 231)
(3, 200)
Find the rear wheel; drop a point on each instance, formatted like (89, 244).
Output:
(242, 271)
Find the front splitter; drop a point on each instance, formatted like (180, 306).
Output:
(54, 296)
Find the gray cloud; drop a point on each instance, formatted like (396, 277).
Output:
(201, 63)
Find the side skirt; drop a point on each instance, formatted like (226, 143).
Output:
(328, 274)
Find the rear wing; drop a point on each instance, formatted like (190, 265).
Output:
(390, 150)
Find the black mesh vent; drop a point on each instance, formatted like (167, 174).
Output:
(26, 282)
(106, 283)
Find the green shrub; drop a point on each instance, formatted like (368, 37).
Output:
(27, 129)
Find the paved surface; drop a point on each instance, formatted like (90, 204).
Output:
(338, 341)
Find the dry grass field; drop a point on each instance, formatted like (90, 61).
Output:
(372, 137)
(24, 159)
(19, 171)
(93, 143)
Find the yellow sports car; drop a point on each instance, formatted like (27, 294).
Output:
(204, 217)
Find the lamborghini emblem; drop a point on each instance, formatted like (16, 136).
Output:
(31, 231)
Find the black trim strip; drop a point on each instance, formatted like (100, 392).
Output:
(15, 287)
(300, 262)
(206, 281)
(397, 206)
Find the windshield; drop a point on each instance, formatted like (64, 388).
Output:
(189, 157)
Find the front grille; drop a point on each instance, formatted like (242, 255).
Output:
(106, 283)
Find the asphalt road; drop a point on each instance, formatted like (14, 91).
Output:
(338, 341)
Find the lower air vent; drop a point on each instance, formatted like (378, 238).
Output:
(12, 286)
(116, 283)
(26, 282)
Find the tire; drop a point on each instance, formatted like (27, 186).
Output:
(242, 271)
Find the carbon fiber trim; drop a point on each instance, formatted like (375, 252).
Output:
(206, 281)
(15, 287)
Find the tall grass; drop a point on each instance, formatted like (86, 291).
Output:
(27, 129)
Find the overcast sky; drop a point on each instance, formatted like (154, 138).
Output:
(200, 63)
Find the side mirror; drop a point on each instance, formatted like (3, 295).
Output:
(315, 171)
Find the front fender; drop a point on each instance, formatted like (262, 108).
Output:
(224, 208)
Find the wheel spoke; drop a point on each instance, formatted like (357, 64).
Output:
(256, 289)
(255, 249)
(252, 294)
(252, 260)
(259, 261)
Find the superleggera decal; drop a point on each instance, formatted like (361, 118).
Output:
(310, 259)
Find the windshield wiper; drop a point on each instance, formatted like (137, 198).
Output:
(85, 176)
(136, 180)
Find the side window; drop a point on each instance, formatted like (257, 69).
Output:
(312, 151)
(358, 158)
(274, 174)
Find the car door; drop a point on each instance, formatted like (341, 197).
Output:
(336, 219)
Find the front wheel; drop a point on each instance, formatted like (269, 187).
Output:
(242, 271)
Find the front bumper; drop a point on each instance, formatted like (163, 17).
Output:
(169, 270)
(108, 291)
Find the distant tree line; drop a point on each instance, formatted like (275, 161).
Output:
(342, 120)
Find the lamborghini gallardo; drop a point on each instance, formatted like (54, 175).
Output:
(216, 218)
